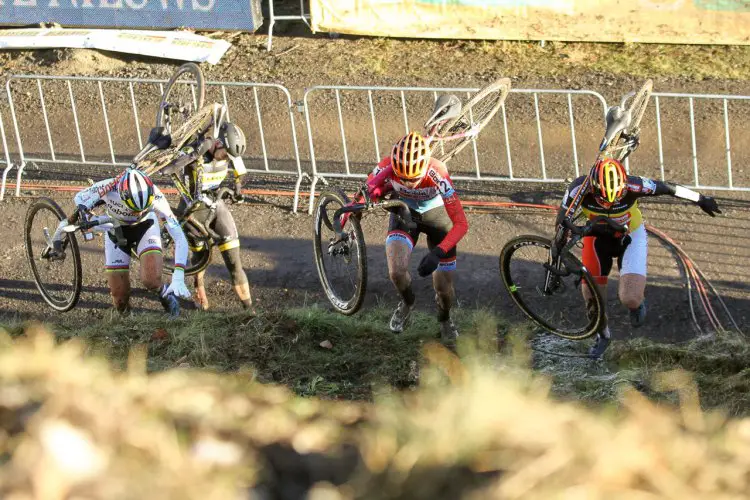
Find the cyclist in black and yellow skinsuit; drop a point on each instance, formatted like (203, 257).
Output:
(615, 194)
(227, 144)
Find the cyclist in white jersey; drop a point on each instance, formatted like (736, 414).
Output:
(136, 206)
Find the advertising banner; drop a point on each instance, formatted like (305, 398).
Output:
(181, 45)
(655, 21)
(241, 15)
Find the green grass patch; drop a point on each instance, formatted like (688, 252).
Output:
(319, 353)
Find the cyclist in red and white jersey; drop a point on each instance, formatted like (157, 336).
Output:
(423, 183)
(135, 204)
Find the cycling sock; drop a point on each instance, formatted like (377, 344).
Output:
(606, 333)
(408, 296)
(443, 314)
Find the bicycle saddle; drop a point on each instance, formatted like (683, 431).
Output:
(617, 120)
(159, 138)
(447, 107)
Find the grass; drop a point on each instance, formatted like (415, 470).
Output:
(365, 358)
(473, 428)
(555, 59)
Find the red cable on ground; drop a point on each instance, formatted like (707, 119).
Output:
(691, 270)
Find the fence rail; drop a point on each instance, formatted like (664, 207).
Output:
(399, 110)
(658, 97)
(67, 96)
(349, 128)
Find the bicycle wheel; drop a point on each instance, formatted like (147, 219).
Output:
(58, 281)
(638, 106)
(182, 97)
(199, 254)
(476, 114)
(637, 109)
(342, 266)
(562, 312)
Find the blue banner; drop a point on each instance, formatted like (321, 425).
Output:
(241, 15)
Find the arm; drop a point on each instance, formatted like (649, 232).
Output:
(651, 187)
(570, 194)
(378, 181)
(162, 209)
(460, 224)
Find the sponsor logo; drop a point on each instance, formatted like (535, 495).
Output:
(106, 188)
(416, 193)
(649, 186)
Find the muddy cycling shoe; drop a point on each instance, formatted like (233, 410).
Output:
(638, 316)
(170, 304)
(400, 317)
(448, 334)
(600, 345)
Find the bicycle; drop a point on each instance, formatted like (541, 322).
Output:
(544, 274)
(177, 120)
(347, 246)
(343, 243)
(61, 294)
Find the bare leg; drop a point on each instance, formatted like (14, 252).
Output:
(445, 294)
(632, 288)
(201, 299)
(398, 254)
(119, 288)
(151, 268)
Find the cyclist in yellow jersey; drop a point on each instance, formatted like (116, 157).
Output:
(222, 145)
(615, 194)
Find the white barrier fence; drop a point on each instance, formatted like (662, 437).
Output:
(107, 131)
(385, 110)
(536, 137)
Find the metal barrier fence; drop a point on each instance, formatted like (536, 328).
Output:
(484, 146)
(8, 164)
(711, 134)
(540, 144)
(120, 120)
(305, 18)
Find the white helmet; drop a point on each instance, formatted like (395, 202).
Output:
(136, 190)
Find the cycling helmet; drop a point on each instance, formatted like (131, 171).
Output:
(234, 140)
(609, 180)
(136, 190)
(410, 157)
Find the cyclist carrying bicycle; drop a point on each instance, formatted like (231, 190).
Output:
(615, 194)
(423, 183)
(135, 205)
(220, 148)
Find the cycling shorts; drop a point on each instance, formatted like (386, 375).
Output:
(631, 253)
(435, 223)
(223, 224)
(143, 238)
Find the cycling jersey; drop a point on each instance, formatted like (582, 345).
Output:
(624, 211)
(631, 249)
(433, 191)
(106, 192)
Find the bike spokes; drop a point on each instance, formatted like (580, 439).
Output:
(550, 293)
(57, 276)
(341, 261)
(182, 97)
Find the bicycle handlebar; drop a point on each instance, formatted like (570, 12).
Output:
(598, 226)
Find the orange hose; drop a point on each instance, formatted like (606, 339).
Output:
(692, 273)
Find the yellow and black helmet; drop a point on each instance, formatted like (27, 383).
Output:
(410, 157)
(609, 180)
